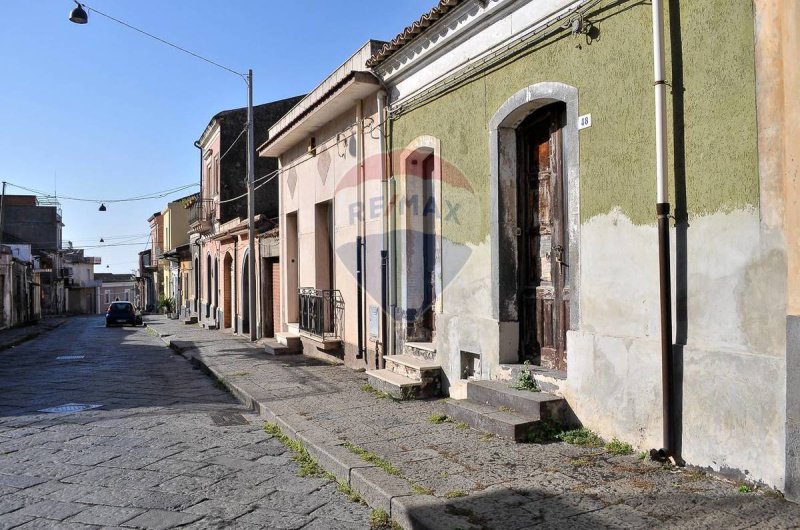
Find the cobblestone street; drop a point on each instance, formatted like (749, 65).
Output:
(158, 451)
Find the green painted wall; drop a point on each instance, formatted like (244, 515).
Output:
(613, 75)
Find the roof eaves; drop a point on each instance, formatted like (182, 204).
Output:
(412, 31)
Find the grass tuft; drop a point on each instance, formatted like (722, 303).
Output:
(352, 494)
(366, 387)
(380, 520)
(581, 436)
(744, 488)
(372, 458)
(618, 447)
(307, 466)
(462, 425)
(421, 490)
(642, 455)
(454, 494)
(581, 462)
(437, 418)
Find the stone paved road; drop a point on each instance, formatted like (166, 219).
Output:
(476, 481)
(150, 456)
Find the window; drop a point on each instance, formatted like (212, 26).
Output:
(127, 295)
(108, 296)
(216, 175)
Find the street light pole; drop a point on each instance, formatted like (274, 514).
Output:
(80, 15)
(251, 231)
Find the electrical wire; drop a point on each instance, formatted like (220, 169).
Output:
(154, 195)
(159, 39)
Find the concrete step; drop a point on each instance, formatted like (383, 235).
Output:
(511, 425)
(291, 340)
(552, 381)
(412, 367)
(190, 320)
(421, 350)
(273, 347)
(401, 387)
(531, 404)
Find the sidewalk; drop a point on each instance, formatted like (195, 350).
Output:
(13, 336)
(446, 475)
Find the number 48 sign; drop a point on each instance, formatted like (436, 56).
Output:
(584, 121)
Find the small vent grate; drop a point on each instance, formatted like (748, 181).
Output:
(69, 357)
(227, 419)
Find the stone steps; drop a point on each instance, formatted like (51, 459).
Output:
(273, 347)
(490, 419)
(409, 375)
(537, 405)
(290, 340)
(190, 320)
(494, 407)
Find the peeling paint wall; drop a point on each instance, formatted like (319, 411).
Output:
(729, 273)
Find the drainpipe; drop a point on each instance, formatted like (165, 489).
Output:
(662, 210)
(197, 275)
(385, 230)
(360, 246)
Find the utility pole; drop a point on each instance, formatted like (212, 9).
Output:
(251, 232)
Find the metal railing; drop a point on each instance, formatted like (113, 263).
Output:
(203, 211)
(321, 312)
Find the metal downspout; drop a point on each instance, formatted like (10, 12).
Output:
(385, 229)
(360, 247)
(662, 211)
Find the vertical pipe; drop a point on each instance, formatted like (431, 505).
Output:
(662, 211)
(384, 229)
(361, 240)
(251, 163)
(359, 305)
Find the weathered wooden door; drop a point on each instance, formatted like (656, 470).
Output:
(543, 293)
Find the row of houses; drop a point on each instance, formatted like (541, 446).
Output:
(493, 187)
(39, 276)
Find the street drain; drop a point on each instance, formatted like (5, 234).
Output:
(70, 408)
(69, 357)
(228, 419)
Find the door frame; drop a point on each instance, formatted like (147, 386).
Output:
(503, 205)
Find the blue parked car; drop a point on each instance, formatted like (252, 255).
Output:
(121, 313)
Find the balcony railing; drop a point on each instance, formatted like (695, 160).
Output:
(203, 212)
(321, 312)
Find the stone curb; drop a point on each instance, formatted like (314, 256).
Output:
(42, 329)
(377, 487)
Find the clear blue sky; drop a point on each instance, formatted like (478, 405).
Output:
(104, 112)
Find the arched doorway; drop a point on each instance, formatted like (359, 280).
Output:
(534, 230)
(227, 306)
(246, 294)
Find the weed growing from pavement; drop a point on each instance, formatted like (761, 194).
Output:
(642, 455)
(582, 436)
(308, 467)
(544, 431)
(421, 490)
(380, 520)
(744, 488)
(525, 380)
(617, 447)
(352, 494)
(437, 418)
(375, 392)
(581, 462)
(454, 494)
(462, 425)
(505, 409)
(372, 458)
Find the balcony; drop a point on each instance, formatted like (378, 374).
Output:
(321, 313)
(202, 214)
(156, 254)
